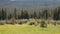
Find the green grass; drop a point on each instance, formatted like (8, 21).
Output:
(27, 29)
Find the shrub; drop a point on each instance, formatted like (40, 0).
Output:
(43, 24)
(1, 23)
(32, 23)
(54, 23)
(10, 22)
(38, 22)
(24, 21)
(20, 23)
(13, 21)
(7, 23)
(58, 23)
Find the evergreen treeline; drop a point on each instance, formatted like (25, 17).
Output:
(45, 14)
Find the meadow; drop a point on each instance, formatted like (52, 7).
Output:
(44, 21)
(29, 29)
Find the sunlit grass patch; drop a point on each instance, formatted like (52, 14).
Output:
(28, 29)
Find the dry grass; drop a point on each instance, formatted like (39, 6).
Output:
(27, 29)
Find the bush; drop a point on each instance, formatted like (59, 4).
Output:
(13, 21)
(24, 21)
(7, 22)
(58, 23)
(10, 22)
(32, 23)
(54, 23)
(43, 24)
(38, 22)
(20, 23)
(1, 23)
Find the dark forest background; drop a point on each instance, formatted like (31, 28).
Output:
(25, 14)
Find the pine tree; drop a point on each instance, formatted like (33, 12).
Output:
(55, 17)
(22, 14)
(0, 14)
(35, 15)
(26, 14)
(3, 14)
(45, 14)
(15, 15)
(9, 16)
(39, 15)
(58, 13)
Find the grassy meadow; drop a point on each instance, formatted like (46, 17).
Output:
(42, 21)
(29, 29)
